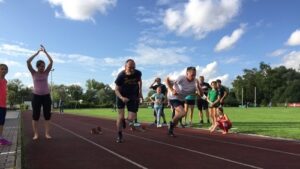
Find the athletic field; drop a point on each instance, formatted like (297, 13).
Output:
(276, 121)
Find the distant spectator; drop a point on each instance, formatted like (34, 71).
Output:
(222, 92)
(157, 83)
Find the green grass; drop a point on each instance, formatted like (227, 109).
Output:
(276, 122)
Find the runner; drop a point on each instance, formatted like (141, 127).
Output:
(129, 92)
(184, 85)
(41, 92)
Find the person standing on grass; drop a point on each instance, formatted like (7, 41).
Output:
(184, 85)
(157, 83)
(158, 99)
(189, 105)
(3, 95)
(223, 121)
(202, 103)
(129, 92)
(222, 92)
(41, 93)
(61, 106)
(213, 99)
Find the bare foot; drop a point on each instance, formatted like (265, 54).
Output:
(48, 136)
(35, 137)
(224, 132)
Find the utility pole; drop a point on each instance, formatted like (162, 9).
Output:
(51, 87)
(242, 97)
(254, 96)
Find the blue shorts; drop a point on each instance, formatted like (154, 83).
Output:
(2, 115)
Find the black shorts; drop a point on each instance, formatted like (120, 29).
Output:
(132, 105)
(202, 104)
(39, 101)
(2, 115)
(190, 102)
(176, 103)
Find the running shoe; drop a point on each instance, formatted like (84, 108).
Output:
(5, 142)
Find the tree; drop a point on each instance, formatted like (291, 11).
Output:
(14, 87)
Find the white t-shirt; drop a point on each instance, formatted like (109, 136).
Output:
(183, 88)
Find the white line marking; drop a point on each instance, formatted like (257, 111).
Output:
(102, 147)
(6, 153)
(242, 145)
(190, 150)
(232, 143)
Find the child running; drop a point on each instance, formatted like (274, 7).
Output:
(3, 94)
(158, 100)
(223, 121)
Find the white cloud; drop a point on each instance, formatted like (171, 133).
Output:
(231, 60)
(228, 41)
(294, 39)
(10, 63)
(14, 50)
(278, 52)
(199, 17)
(292, 60)
(81, 9)
(147, 55)
(21, 74)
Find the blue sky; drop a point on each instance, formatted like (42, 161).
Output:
(91, 39)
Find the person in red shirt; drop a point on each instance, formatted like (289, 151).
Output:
(3, 94)
(223, 121)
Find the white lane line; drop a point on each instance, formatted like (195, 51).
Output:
(191, 150)
(243, 145)
(6, 153)
(227, 142)
(102, 147)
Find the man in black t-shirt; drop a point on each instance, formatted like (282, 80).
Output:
(154, 85)
(202, 104)
(129, 92)
(222, 92)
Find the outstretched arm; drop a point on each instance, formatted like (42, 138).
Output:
(29, 65)
(49, 67)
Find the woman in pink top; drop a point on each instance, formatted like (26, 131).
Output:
(41, 93)
(3, 94)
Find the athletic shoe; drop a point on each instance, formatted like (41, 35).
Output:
(136, 124)
(171, 133)
(159, 125)
(120, 138)
(123, 123)
(5, 142)
(99, 129)
(165, 124)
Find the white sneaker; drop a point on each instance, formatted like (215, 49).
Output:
(159, 125)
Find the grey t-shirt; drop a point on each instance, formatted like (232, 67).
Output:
(183, 88)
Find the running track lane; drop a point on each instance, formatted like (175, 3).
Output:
(74, 147)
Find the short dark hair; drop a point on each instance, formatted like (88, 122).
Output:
(191, 68)
(39, 62)
(4, 65)
(218, 81)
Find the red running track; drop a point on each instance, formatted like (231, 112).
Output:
(73, 147)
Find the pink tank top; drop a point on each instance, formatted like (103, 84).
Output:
(40, 83)
(3, 93)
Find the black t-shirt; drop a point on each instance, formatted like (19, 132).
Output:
(128, 84)
(205, 88)
(163, 88)
(221, 91)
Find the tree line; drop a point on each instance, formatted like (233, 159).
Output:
(277, 85)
